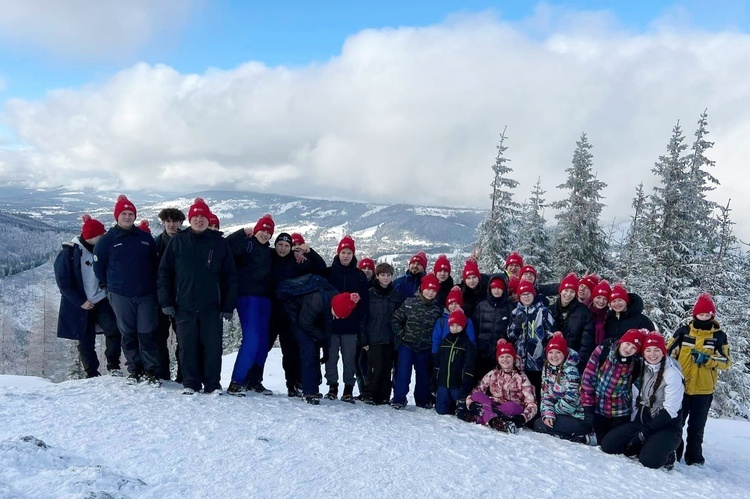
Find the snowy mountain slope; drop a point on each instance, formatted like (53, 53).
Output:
(108, 439)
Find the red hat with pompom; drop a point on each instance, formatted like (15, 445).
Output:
(297, 239)
(635, 337)
(265, 223)
(570, 281)
(704, 305)
(514, 258)
(214, 220)
(504, 347)
(454, 296)
(420, 258)
(343, 304)
(655, 339)
(347, 242)
(619, 291)
(527, 268)
(526, 287)
(368, 263)
(557, 342)
(199, 207)
(442, 263)
(144, 226)
(457, 317)
(429, 281)
(513, 283)
(124, 204)
(91, 227)
(602, 289)
(590, 281)
(497, 282)
(471, 268)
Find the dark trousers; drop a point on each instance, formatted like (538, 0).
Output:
(378, 378)
(656, 449)
(420, 361)
(138, 318)
(162, 343)
(200, 335)
(103, 316)
(281, 328)
(445, 400)
(696, 407)
(360, 366)
(603, 425)
(309, 357)
(565, 427)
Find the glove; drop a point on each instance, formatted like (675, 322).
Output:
(518, 420)
(475, 408)
(168, 311)
(635, 445)
(324, 357)
(588, 415)
(699, 357)
(227, 316)
(519, 320)
(433, 383)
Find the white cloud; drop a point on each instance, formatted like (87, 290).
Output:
(408, 114)
(89, 29)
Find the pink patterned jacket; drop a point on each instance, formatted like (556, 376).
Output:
(508, 386)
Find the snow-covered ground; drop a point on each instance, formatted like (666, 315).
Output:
(105, 438)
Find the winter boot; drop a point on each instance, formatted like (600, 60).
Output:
(347, 396)
(259, 388)
(153, 380)
(134, 378)
(292, 392)
(397, 405)
(115, 372)
(501, 424)
(669, 465)
(333, 392)
(312, 399)
(236, 389)
(188, 391)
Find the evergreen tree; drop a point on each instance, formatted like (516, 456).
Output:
(533, 236)
(580, 243)
(496, 233)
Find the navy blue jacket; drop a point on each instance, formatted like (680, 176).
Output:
(408, 284)
(126, 262)
(350, 279)
(72, 319)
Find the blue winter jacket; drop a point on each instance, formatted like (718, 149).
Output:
(126, 262)
(408, 284)
(441, 330)
(530, 328)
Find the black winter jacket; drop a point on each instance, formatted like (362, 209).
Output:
(253, 261)
(315, 318)
(197, 274)
(383, 303)
(574, 321)
(455, 364)
(474, 296)
(491, 320)
(445, 288)
(350, 279)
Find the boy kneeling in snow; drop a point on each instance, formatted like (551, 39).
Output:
(504, 399)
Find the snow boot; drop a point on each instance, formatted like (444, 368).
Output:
(312, 399)
(397, 405)
(501, 424)
(115, 372)
(333, 392)
(188, 391)
(669, 465)
(153, 380)
(134, 378)
(347, 396)
(217, 392)
(236, 389)
(259, 388)
(293, 392)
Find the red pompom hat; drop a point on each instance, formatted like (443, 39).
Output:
(442, 263)
(214, 220)
(602, 289)
(144, 226)
(619, 291)
(91, 227)
(457, 317)
(514, 258)
(590, 281)
(655, 339)
(570, 281)
(527, 268)
(199, 207)
(429, 281)
(504, 347)
(635, 337)
(526, 287)
(368, 263)
(704, 305)
(497, 282)
(346, 243)
(343, 304)
(297, 239)
(420, 258)
(265, 223)
(471, 268)
(454, 296)
(557, 342)
(124, 204)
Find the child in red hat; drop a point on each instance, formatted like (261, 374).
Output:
(413, 324)
(454, 365)
(492, 317)
(473, 286)
(561, 410)
(453, 302)
(572, 317)
(607, 380)
(504, 398)
(702, 349)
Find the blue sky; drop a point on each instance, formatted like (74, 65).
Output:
(226, 33)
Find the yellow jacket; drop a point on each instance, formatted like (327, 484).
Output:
(700, 379)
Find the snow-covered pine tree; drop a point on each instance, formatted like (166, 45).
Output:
(533, 237)
(580, 243)
(496, 233)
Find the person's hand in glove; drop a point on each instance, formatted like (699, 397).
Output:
(635, 445)
(227, 316)
(699, 357)
(168, 311)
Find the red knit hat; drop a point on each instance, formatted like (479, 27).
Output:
(199, 207)
(504, 347)
(420, 258)
(91, 227)
(497, 282)
(527, 268)
(454, 296)
(214, 220)
(297, 239)
(634, 336)
(368, 263)
(514, 258)
(442, 263)
(655, 339)
(570, 281)
(526, 287)
(346, 243)
(602, 289)
(513, 283)
(265, 223)
(144, 226)
(619, 291)
(704, 305)
(470, 268)
(429, 281)
(590, 281)
(557, 342)
(343, 304)
(124, 204)
(457, 317)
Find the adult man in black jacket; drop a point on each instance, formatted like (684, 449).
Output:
(198, 285)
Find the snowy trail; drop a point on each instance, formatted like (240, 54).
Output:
(106, 436)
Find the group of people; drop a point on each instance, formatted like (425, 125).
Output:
(576, 359)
